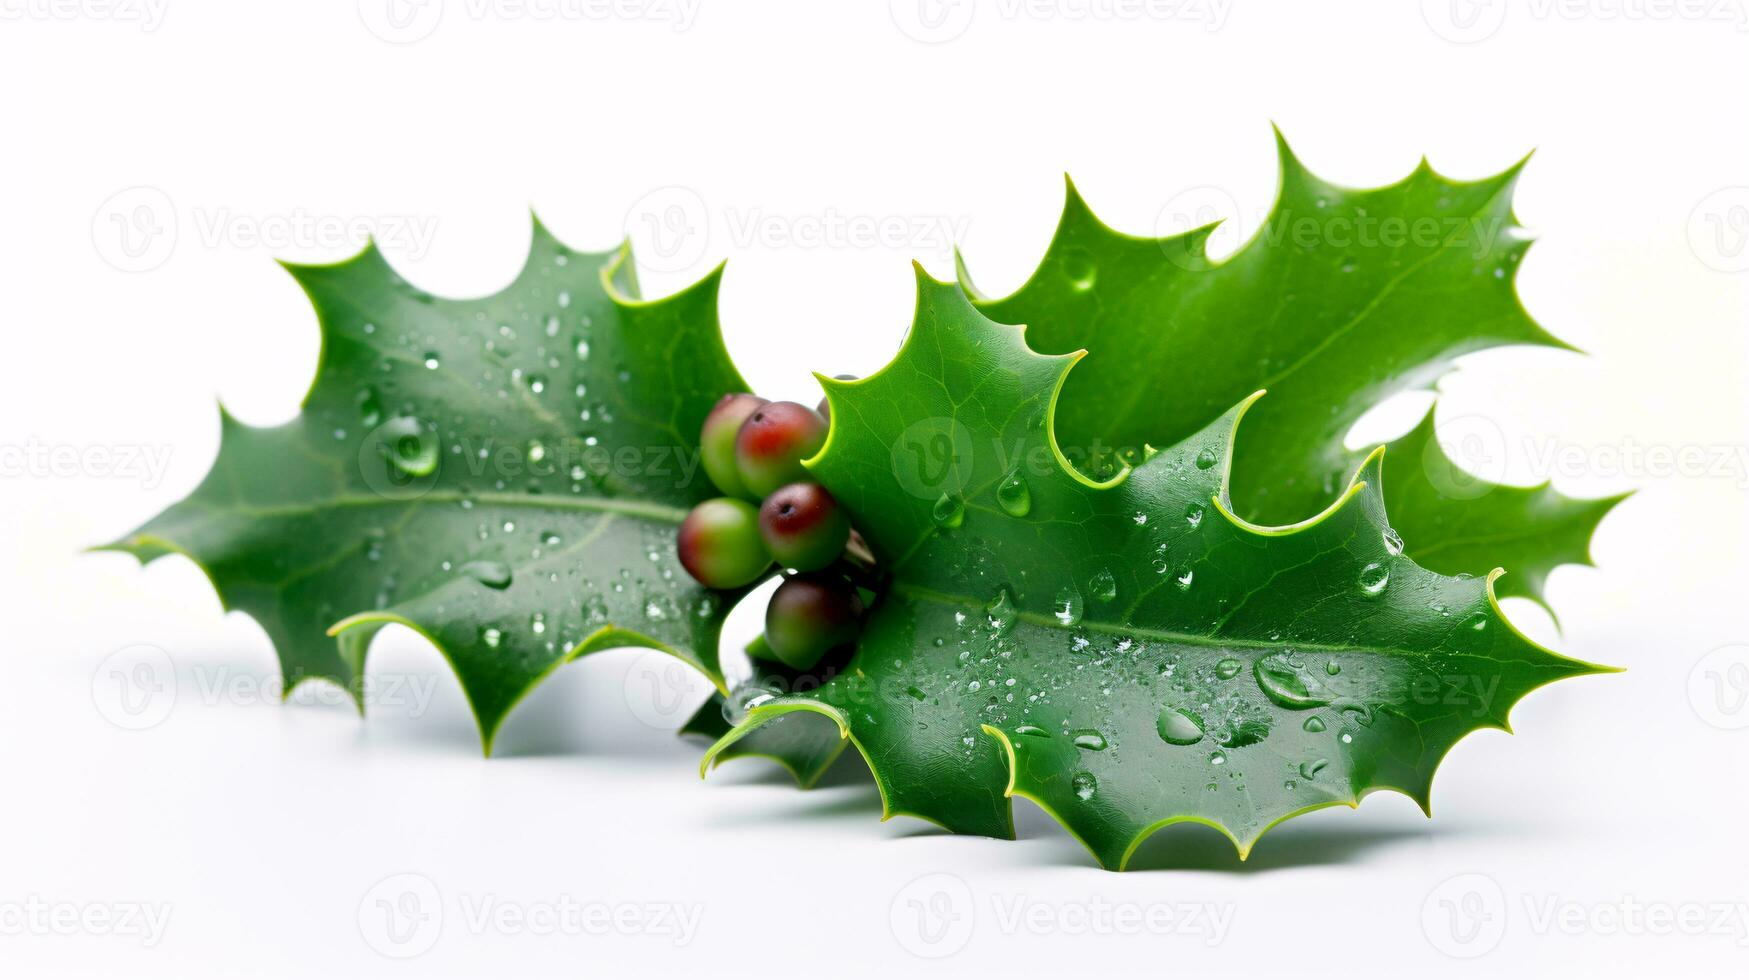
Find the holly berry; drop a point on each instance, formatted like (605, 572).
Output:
(772, 443)
(720, 545)
(717, 442)
(809, 615)
(803, 526)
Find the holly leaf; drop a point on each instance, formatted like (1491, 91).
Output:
(805, 750)
(504, 475)
(1127, 654)
(1341, 299)
(1468, 522)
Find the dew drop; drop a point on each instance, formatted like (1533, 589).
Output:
(1228, 669)
(1067, 608)
(492, 574)
(950, 511)
(1217, 758)
(1014, 495)
(1193, 516)
(491, 636)
(1184, 578)
(1090, 740)
(1001, 612)
(1290, 685)
(432, 361)
(1206, 458)
(1314, 724)
(1478, 622)
(1084, 785)
(1031, 731)
(408, 446)
(1103, 585)
(1178, 727)
(1374, 577)
(1393, 541)
(1310, 770)
(1079, 269)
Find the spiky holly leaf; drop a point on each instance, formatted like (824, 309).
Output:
(1341, 299)
(1127, 654)
(504, 475)
(804, 749)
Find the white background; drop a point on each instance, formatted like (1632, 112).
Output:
(267, 830)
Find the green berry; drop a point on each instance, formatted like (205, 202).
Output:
(772, 443)
(720, 545)
(803, 526)
(809, 615)
(717, 442)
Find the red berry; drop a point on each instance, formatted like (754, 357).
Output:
(803, 526)
(809, 615)
(772, 443)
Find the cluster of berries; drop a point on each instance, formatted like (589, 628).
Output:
(753, 450)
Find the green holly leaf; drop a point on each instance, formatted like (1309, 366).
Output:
(1128, 654)
(805, 750)
(1341, 299)
(1468, 522)
(504, 475)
